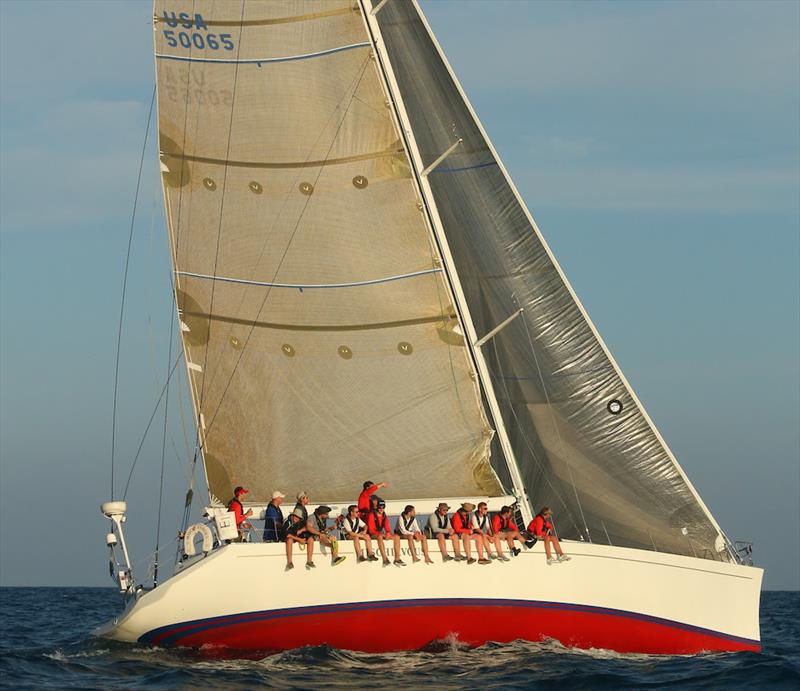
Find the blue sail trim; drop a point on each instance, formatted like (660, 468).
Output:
(260, 61)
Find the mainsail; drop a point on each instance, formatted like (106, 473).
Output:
(581, 439)
(319, 331)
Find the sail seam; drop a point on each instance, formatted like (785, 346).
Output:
(304, 286)
(260, 61)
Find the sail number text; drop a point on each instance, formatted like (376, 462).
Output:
(199, 38)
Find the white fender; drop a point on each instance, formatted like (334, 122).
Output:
(193, 531)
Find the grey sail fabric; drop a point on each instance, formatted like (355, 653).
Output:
(318, 327)
(605, 472)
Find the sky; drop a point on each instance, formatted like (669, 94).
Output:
(657, 145)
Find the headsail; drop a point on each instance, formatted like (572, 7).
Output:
(319, 330)
(581, 439)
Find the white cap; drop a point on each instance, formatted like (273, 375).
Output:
(277, 494)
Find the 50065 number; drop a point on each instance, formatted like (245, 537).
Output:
(198, 40)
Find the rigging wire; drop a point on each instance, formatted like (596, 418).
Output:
(124, 290)
(150, 422)
(163, 447)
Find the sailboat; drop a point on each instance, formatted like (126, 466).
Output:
(363, 294)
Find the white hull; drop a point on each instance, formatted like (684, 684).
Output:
(606, 597)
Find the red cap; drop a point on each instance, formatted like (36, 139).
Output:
(240, 490)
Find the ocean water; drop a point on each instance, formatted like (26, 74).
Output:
(46, 643)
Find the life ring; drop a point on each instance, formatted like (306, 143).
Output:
(191, 533)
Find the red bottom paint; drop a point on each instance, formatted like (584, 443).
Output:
(410, 625)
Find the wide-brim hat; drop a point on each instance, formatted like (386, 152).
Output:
(467, 506)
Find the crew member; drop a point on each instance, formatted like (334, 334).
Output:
(378, 527)
(408, 528)
(542, 528)
(273, 519)
(317, 528)
(439, 527)
(461, 523)
(295, 529)
(353, 528)
(482, 525)
(235, 505)
(504, 526)
(363, 499)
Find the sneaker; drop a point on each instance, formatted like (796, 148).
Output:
(471, 560)
(386, 562)
(503, 557)
(310, 565)
(530, 543)
(372, 557)
(447, 557)
(492, 556)
(552, 561)
(458, 557)
(484, 561)
(362, 559)
(515, 551)
(565, 557)
(429, 561)
(338, 560)
(399, 562)
(289, 567)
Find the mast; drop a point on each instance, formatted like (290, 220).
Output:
(434, 221)
(187, 363)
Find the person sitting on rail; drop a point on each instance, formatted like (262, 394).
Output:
(504, 526)
(462, 525)
(353, 528)
(408, 528)
(235, 505)
(317, 528)
(295, 530)
(364, 506)
(542, 528)
(439, 527)
(482, 525)
(302, 502)
(273, 519)
(378, 527)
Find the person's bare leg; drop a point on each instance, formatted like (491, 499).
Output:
(442, 545)
(557, 545)
(309, 550)
(498, 546)
(368, 542)
(382, 549)
(547, 551)
(510, 540)
(289, 542)
(396, 544)
(456, 545)
(465, 541)
(357, 547)
(425, 552)
(413, 548)
(478, 544)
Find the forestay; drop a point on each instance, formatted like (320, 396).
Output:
(319, 330)
(582, 441)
